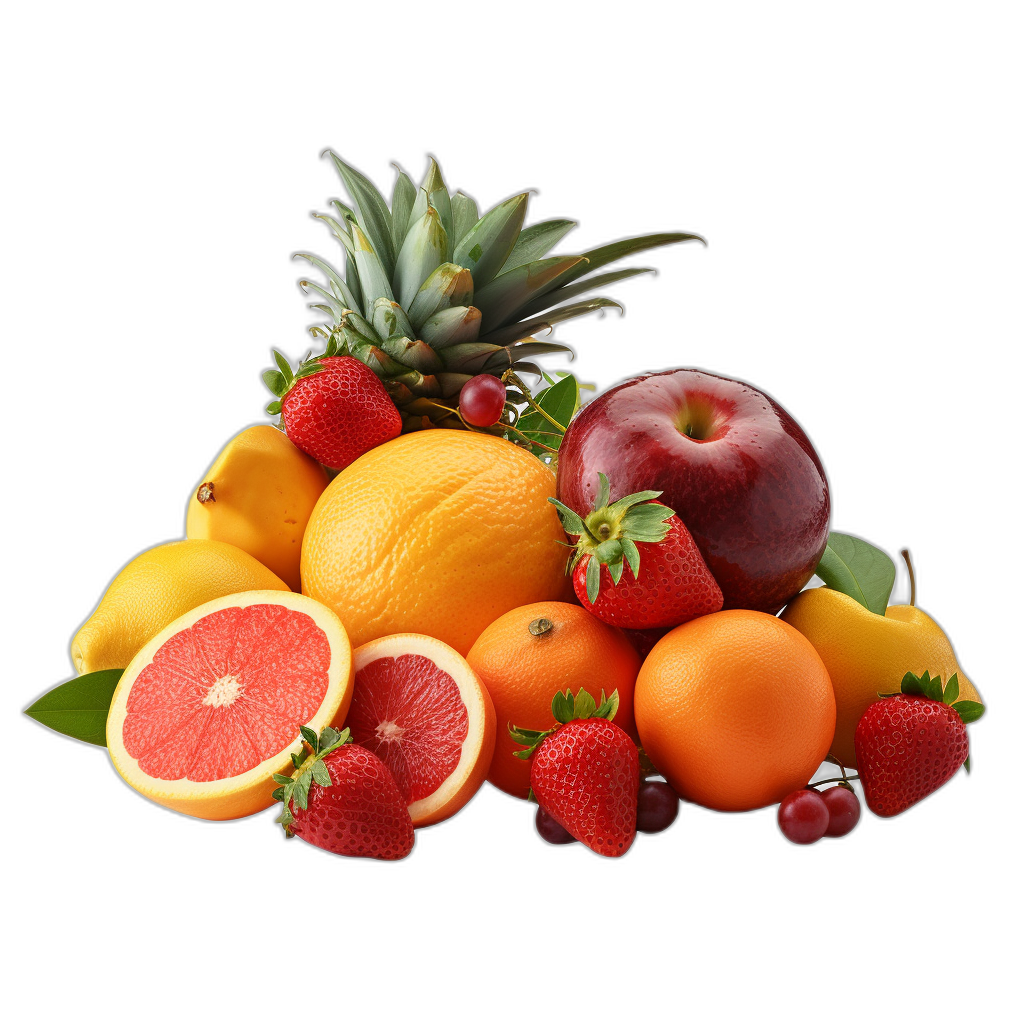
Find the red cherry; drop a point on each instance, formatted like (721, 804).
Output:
(482, 400)
(843, 810)
(803, 816)
(656, 806)
(549, 829)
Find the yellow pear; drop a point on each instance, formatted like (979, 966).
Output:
(867, 654)
(258, 495)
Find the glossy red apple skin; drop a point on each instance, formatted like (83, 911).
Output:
(748, 485)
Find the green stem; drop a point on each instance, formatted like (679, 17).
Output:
(529, 440)
(533, 405)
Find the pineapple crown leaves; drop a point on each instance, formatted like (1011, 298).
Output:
(931, 687)
(430, 253)
(565, 708)
(309, 767)
(610, 534)
(281, 380)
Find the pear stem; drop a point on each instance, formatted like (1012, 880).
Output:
(913, 582)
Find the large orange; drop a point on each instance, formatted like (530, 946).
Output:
(525, 657)
(437, 532)
(736, 709)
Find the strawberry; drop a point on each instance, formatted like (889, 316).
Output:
(635, 564)
(910, 743)
(334, 408)
(585, 772)
(342, 798)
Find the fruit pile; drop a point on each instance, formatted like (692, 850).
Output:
(429, 573)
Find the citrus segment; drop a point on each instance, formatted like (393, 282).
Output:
(211, 707)
(420, 708)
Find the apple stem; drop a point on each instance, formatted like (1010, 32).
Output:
(913, 582)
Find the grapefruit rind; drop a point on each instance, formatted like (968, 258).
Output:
(477, 748)
(251, 791)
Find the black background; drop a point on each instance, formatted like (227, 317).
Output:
(172, 282)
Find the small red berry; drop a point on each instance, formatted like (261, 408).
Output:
(843, 810)
(803, 816)
(550, 831)
(482, 400)
(657, 805)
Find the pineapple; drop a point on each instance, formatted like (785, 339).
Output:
(433, 293)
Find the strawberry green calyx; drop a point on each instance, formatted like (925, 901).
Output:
(281, 380)
(610, 534)
(293, 790)
(565, 708)
(931, 687)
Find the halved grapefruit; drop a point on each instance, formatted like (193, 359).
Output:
(211, 707)
(422, 710)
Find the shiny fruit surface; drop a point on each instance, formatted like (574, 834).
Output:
(550, 831)
(803, 817)
(657, 806)
(843, 810)
(482, 400)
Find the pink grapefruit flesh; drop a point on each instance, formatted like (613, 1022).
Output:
(212, 706)
(422, 710)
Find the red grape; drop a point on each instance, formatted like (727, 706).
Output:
(843, 810)
(803, 816)
(482, 400)
(656, 806)
(549, 829)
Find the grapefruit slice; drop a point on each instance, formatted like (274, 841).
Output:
(211, 707)
(422, 710)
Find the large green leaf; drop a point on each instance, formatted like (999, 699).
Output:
(526, 328)
(335, 278)
(451, 326)
(614, 251)
(372, 276)
(449, 285)
(858, 569)
(78, 708)
(424, 250)
(402, 199)
(582, 285)
(505, 295)
(560, 401)
(464, 215)
(437, 196)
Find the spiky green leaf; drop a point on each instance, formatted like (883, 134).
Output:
(335, 278)
(615, 251)
(424, 250)
(464, 215)
(537, 241)
(527, 328)
(374, 215)
(437, 196)
(373, 276)
(390, 320)
(500, 300)
(452, 326)
(488, 243)
(449, 285)
(403, 197)
(584, 284)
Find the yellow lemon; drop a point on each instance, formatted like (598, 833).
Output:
(258, 495)
(157, 587)
(436, 532)
(867, 654)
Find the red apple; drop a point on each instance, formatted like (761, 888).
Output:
(734, 465)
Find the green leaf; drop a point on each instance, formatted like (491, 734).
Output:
(274, 380)
(373, 275)
(615, 251)
(563, 706)
(583, 285)
(488, 243)
(438, 198)
(632, 555)
(425, 249)
(858, 569)
(464, 215)
(560, 402)
(285, 780)
(952, 690)
(320, 774)
(604, 491)
(374, 214)
(284, 366)
(273, 408)
(501, 299)
(402, 198)
(911, 684)
(78, 708)
(537, 241)
(585, 705)
(647, 523)
(344, 290)
(309, 736)
(571, 522)
(449, 285)
(527, 328)
(967, 764)
(456, 325)
(969, 710)
(608, 708)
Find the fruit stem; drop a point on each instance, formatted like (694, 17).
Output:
(510, 376)
(822, 782)
(529, 440)
(205, 493)
(913, 582)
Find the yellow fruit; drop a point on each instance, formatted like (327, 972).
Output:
(153, 589)
(258, 495)
(211, 707)
(867, 654)
(437, 532)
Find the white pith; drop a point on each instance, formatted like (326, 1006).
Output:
(223, 692)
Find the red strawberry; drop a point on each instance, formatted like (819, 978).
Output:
(910, 743)
(334, 408)
(342, 798)
(636, 565)
(585, 772)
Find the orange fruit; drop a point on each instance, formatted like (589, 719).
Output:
(736, 709)
(211, 707)
(530, 653)
(258, 495)
(421, 709)
(437, 532)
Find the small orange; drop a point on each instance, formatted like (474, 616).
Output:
(736, 709)
(530, 653)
